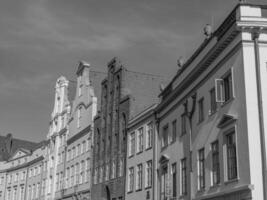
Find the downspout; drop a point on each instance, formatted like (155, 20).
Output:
(155, 175)
(255, 37)
(189, 115)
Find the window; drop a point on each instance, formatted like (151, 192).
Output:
(82, 172)
(80, 85)
(215, 163)
(78, 149)
(165, 133)
(224, 88)
(107, 171)
(132, 144)
(84, 146)
(140, 139)
(120, 170)
(201, 169)
(113, 171)
(213, 103)
(87, 172)
(183, 177)
(96, 175)
(174, 180)
(149, 137)
(77, 173)
(29, 192)
(139, 177)
(79, 117)
(130, 179)
(173, 136)
(15, 193)
(164, 183)
(201, 110)
(183, 124)
(148, 177)
(87, 144)
(22, 194)
(57, 182)
(67, 177)
(72, 176)
(231, 156)
(101, 174)
(37, 190)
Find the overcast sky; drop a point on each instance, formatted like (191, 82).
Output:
(43, 39)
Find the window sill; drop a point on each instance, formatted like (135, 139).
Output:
(200, 191)
(129, 192)
(131, 156)
(231, 181)
(214, 186)
(138, 190)
(148, 187)
(139, 152)
(227, 102)
(182, 196)
(148, 148)
(163, 148)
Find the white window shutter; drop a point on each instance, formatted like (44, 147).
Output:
(219, 90)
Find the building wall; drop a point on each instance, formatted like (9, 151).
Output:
(143, 122)
(239, 114)
(79, 143)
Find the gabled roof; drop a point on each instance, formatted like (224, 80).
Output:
(20, 153)
(10, 145)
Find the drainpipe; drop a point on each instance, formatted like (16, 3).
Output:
(189, 115)
(255, 37)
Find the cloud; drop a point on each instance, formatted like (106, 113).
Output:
(25, 84)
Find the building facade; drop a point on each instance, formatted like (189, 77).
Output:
(20, 176)
(124, 94)
(212, 115)
(79, 143)
(140, 160)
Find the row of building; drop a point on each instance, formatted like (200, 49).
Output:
(122, 135)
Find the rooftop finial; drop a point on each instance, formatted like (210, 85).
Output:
(208, 30)
(180, 62)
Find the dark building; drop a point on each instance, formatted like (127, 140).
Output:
(124, 94)
(9, 145)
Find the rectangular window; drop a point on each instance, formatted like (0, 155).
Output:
(165, 134)
(132, 144)
(183, 177)
(201, 110)
(215, 163)
(228, 88)
(130, 179)
(224, 88)
(149, 137)
(201, 169)
(173, 136)
(231, 156)
(174, 180)
(213, 103)
(107, 172)
(84, 146)
(113, 171)
(183, 124)
(148, 177)
(140, 137)
(139, 177)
